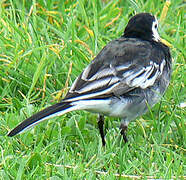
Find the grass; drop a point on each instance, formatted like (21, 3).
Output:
(44, 45)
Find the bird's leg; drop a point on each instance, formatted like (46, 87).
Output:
(123, 128)
(100, 126)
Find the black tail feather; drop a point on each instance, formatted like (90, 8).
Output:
(40, 116)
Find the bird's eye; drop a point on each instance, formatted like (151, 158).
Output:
(156, 26)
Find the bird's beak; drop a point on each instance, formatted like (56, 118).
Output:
(165, 42)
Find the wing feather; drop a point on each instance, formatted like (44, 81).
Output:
(112, 74)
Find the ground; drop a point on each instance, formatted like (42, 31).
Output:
(44, 45)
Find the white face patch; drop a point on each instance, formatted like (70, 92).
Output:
(155, 34)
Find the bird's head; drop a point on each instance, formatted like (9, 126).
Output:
(143, 26)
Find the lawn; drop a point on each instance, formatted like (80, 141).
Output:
(44, 46)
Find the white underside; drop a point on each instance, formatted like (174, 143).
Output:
(105, 107)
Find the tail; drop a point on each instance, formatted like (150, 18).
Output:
(52, 111)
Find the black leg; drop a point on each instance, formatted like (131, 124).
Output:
(123, 132)
(100, 126)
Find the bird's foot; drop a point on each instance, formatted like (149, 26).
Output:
(100, 126)
(124, 128)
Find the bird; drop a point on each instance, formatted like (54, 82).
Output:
(127, 77)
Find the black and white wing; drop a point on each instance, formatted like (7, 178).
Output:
(123, 65)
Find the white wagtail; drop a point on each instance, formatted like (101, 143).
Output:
(128, 76)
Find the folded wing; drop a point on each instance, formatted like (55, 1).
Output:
(119, 68)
